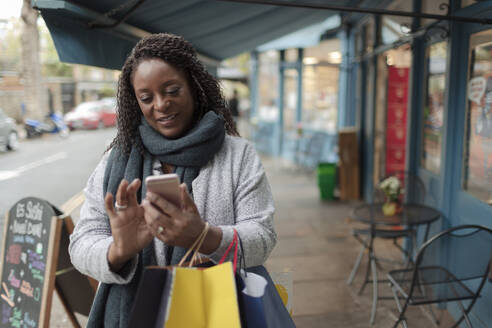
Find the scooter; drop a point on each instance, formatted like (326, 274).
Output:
(52, 124)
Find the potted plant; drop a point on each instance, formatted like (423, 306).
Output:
(391, 187)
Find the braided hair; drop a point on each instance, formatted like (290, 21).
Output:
(180, 54)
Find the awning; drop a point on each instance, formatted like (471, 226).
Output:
(306, 37)
(217, 29)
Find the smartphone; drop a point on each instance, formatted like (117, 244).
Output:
(166, 185)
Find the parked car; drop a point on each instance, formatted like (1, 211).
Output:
(108, 111)
(8, 132)
(92, 115)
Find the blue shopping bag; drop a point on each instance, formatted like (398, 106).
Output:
(251, 289)
(267, 311)
(260, 305)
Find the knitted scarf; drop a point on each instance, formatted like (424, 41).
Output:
(113, 303)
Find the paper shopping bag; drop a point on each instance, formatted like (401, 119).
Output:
(176, 297)
(202, 298)
(147, 310)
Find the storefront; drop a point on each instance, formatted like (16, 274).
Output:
(296, 94)
(423, 104)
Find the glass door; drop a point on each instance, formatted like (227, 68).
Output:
(471, 188)
(477, 160)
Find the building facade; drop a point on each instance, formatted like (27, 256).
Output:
(419, 92)
(422, 103)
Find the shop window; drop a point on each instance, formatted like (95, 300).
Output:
(320, 86)
(268, 86)
(320, 97)
(290, 99)
(435, 86)
(394, 27)
(327, 52)
(434, 7)
(477, 172)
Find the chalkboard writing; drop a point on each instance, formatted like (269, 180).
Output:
(26, 264)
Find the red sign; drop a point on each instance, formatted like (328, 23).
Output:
(396, 119)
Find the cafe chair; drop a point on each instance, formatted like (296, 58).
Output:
(451, 267)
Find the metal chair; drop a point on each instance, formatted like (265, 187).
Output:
(415, 193)
(450, 267)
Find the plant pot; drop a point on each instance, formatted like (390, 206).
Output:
(390, 208)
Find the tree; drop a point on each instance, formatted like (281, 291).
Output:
(36, 108)
(10, 47)
(52, 66)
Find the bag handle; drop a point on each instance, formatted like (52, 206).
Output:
(234, 242)
(195, 246)
(196, 255)
(242, 260)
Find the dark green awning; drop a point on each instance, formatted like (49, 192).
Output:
(217, 29)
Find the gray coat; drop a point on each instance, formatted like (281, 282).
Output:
(231, 191)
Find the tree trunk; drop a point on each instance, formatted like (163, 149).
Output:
(31, 66)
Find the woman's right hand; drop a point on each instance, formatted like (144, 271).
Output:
(128, 227)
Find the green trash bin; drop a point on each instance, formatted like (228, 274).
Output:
(326, 173)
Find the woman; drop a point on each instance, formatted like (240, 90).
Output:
(171, 118)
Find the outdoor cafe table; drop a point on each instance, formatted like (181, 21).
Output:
(409, 216)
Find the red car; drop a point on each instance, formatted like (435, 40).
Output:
(92, 115)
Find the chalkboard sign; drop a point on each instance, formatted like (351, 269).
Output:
(27, 264)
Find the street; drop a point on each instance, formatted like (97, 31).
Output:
(51, 168)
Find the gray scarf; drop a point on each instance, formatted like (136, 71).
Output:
(113, 303)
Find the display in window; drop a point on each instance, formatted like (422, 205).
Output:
(478, 162)
(320, 98)
(434, 107)
(396, 120)
(268, 86)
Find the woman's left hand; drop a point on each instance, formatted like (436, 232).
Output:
(180, 226)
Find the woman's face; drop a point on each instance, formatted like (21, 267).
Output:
(164, 96)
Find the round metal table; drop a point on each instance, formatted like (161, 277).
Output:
(410, 214)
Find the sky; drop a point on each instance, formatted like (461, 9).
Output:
(10, 8)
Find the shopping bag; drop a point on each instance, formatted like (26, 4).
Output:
(276, 314)
(259, 301)
(201, 298)
(176, 297)
(251, 289)
(284, 283)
